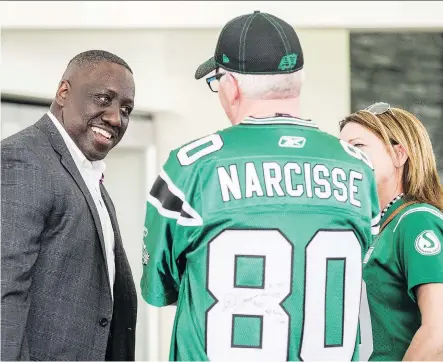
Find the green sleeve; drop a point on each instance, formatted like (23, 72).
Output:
(159, 282)
(171, 216)
(419, 234)
(372, 206)
(375, 206)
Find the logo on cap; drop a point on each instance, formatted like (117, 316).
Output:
(225, 59)
(288, 61)
(427, 243)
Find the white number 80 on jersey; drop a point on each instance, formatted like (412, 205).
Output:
(266, 302)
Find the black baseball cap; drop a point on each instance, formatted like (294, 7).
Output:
(257, 43)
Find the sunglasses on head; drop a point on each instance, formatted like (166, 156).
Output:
(379, 108)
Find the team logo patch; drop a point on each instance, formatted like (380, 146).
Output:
(427, 243)
(145, 255)
(292, 142)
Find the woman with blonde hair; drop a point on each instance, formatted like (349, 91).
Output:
(403, 269)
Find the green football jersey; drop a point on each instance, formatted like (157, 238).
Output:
(258, 233)
(404, 255)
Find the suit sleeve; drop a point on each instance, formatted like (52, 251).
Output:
(420, 234)
(169, 224)
(25, 205)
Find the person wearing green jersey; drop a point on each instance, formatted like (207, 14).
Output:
(403, 269)
(258, 231)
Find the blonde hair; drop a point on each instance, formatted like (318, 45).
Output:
(421, 181)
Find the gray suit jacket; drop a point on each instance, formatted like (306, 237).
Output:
(55, 293)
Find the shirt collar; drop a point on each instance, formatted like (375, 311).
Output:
(279, 120)
(79, 158)
(394, 205)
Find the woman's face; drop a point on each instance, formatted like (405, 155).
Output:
(361, 137)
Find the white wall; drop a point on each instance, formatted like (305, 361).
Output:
(164, 63)
(213, 14)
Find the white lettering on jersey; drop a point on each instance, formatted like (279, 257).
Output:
(326, 193)
(215, 144)
(298, 191)
(270, 179)
(354, 175)
(229, 183)
(307, 168)
(252, 181)
(266, 302)
(343, 196)
(272, 182)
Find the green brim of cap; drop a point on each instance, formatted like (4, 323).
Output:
(206, 68)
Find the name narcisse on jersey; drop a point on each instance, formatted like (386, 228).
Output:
(293, 179)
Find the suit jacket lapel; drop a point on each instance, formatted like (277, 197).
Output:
(45, 124)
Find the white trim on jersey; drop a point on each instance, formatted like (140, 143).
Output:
(375, 227)
(279, 120)
(195, 220)
(162, 211)
(375, 230)
(419, 209)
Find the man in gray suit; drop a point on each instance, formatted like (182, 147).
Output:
(67, 291)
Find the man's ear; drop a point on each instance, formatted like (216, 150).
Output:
(62, 92)
(401, 156)
(233, 89)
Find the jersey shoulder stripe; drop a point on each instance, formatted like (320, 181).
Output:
(170, 202)
(418, 209)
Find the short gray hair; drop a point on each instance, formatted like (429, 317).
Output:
(270, 86)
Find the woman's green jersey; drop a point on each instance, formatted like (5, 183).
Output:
(406, 254)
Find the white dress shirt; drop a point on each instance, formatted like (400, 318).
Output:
(92, 173)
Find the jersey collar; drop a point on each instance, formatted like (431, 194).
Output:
(395, 204)
(279, 120)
